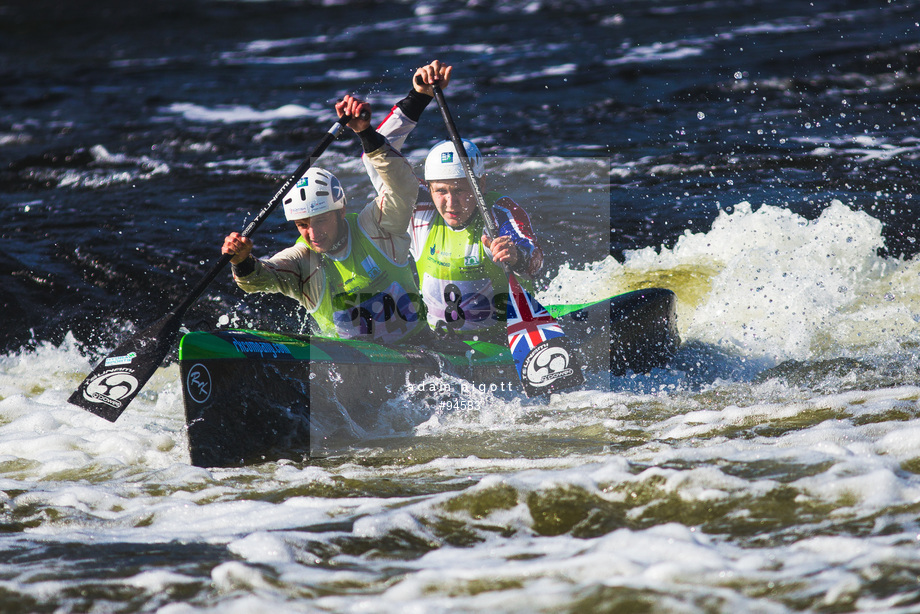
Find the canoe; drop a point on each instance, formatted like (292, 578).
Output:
(252, 396)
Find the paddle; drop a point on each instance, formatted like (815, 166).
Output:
(538, 345)
(115, 382)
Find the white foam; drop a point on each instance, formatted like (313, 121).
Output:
(843, 446)
(230, 114)
(769, 283)
(262, 547)
(157, 581)
(547, 71)
(658, 52)
(234, 576)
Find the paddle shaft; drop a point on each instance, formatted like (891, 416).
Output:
(490, 228)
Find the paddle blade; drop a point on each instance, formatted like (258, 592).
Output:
(115, 382)
(538, 345)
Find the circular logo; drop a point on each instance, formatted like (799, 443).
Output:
(198, 383)
(111, 387)
(545, 365)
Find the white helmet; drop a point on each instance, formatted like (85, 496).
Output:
(444, 163)
(317, 192)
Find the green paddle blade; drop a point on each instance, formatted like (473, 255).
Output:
(113, 384)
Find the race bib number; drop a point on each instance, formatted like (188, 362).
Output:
(464, 305)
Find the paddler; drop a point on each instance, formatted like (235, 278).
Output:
(350, 271)
(463, 286)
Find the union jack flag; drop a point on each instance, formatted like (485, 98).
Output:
(529, 324)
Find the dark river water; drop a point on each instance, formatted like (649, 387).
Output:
(758, 158)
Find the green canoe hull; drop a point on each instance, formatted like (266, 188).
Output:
(253, 396)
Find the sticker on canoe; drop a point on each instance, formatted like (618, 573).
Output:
(198, 383)
(261, 348)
